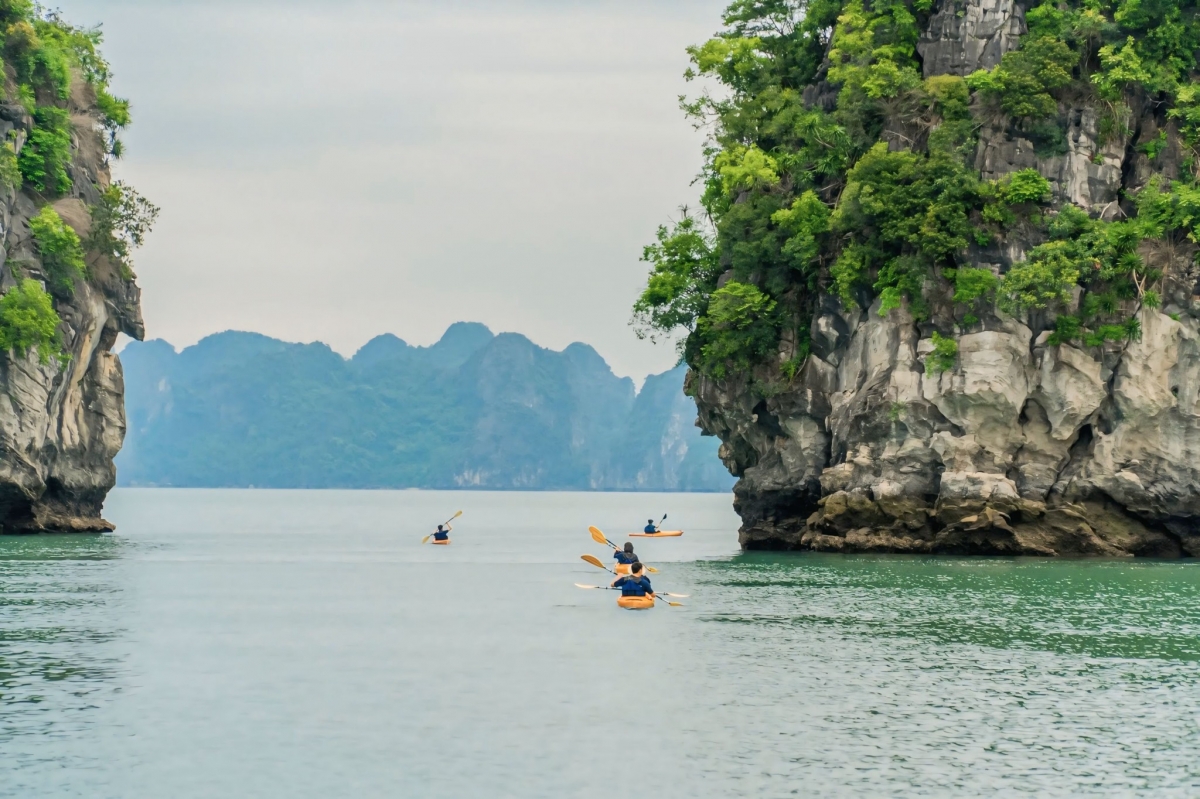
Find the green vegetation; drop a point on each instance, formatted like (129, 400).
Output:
(60, 250)
(120, 223)
(1023, 81)
(45, 157)
(28, 322)
(738, 329)
(57, 73)
(683, 274)
(10, 171)
(875, 197)
(943, 357)
(45, 54)
(901, 214)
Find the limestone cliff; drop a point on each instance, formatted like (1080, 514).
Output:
(1027, 444)
(62, 420)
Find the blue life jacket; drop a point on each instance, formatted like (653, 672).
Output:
(650, 528)
(624, 557)
(441, 535)
(633, 586)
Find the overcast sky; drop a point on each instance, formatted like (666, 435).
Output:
(331, 170)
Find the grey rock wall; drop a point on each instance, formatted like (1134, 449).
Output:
(964, 37)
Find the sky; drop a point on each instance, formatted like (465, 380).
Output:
(330, 170)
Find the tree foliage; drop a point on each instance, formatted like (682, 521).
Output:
(739, 329)
(120, 223)
(46, 156)
(1024, 81)
(683, 273)
(832, 166)
(944, 355)
(60, 250)
(28, 321)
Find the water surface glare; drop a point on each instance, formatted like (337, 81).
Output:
(304, 644)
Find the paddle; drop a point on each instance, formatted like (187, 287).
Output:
(610, 588)
(599, 538)
(425, 540)
(595, 561)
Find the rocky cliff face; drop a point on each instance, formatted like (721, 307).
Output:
(1023, 447)
(61, 426)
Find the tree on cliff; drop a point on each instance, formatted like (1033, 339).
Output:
(834, 167)
(56, 82)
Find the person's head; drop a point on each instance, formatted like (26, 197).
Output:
(629, 547)
(636, 568)
(440, 528)
(649, 521)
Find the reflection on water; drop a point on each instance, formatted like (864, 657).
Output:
(57, 598)
(966, 676)
(1100, 609)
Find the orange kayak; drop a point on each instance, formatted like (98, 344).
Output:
(663, 534)
(441, 543)
(621, 568)
(635, 602)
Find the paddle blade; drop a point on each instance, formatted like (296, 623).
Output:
(677, 596)
(675, 604)
(425, 540)
(592, 559)
(594, 587)
(597, 536)
(664, 518)
(651, 569)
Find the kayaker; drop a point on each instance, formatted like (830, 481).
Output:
(651, 527)
(443, 532)
(636, 584)
(625, 556)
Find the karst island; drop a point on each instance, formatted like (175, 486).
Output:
(940, 290)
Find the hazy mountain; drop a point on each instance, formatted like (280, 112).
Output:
(475, 410)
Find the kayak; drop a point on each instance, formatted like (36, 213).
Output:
(663, 534)
(621, 568)
(635, 602)
(442, 543)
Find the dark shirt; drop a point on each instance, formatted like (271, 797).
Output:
(624, 557)
(441, 535)
(634, 586)
(651, 528)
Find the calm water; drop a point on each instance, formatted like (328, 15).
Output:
(304, 644)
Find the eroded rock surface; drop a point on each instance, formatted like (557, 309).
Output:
(61, 426)
(1021, 449)
(963, 38)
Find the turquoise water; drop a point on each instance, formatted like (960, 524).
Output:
(304, 644)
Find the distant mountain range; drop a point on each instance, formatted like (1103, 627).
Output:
(475, 410)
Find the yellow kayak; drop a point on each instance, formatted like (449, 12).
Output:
(635, 602)
(663, 534)
(441, 543)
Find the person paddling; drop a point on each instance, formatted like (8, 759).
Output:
(651, 527)
(635, 584)
(443, 532)
(624, 557)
